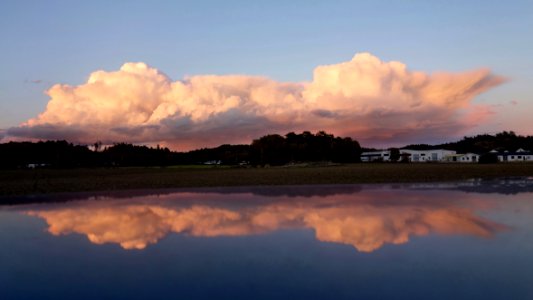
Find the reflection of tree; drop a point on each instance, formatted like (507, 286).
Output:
(366, 225)
(506, 186)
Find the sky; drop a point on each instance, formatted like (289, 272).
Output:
(189, 74)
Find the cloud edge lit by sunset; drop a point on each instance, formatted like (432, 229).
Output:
(365, 98)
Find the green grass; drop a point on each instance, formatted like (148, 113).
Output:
(24, 182)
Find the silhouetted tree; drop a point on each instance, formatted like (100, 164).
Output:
(270, 149)
(394, 154)
(97, 146)
(277, 150)
(488, 158)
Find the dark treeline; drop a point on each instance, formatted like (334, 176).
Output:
(275, 149)
(61, 154)
(267, 150)
(483, 143)
(224, 154)
(278, 150)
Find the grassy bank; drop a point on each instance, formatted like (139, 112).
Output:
(24, 182)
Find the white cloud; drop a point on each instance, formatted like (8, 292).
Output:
(365, 98)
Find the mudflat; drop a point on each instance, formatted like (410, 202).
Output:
(44, 181)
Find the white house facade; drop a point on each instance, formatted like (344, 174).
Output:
(463, 158)
(519, 155)
(443, 155)
(375, 156)
(434, 155)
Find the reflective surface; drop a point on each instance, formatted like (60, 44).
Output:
(469, 240)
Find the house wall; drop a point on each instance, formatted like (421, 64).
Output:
(446, 155)
(427, 155)
(515, 157)
(375, 156)
(468, 158)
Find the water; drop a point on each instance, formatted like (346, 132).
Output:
(468, 240)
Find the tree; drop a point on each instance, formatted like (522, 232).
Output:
(97, 146)
(270, 149)
(488, 158)
(394, 154)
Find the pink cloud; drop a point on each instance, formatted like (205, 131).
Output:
(366, 98)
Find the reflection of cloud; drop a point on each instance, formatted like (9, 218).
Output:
(364, 97)
(366, 225)
(135, 226)
(369, 228)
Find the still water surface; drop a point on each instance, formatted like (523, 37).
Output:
(468, 240)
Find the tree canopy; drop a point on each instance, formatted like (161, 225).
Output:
(270, 149)
(278, 150)
(483, 143)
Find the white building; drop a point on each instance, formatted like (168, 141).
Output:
(375, 156)
(518, 155)
(434, 155)
(463, 158)
(442, 155)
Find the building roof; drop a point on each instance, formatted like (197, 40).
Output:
(515, 153)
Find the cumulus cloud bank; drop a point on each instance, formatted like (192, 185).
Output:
(366, 98)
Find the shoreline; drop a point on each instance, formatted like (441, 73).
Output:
(14, 183)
